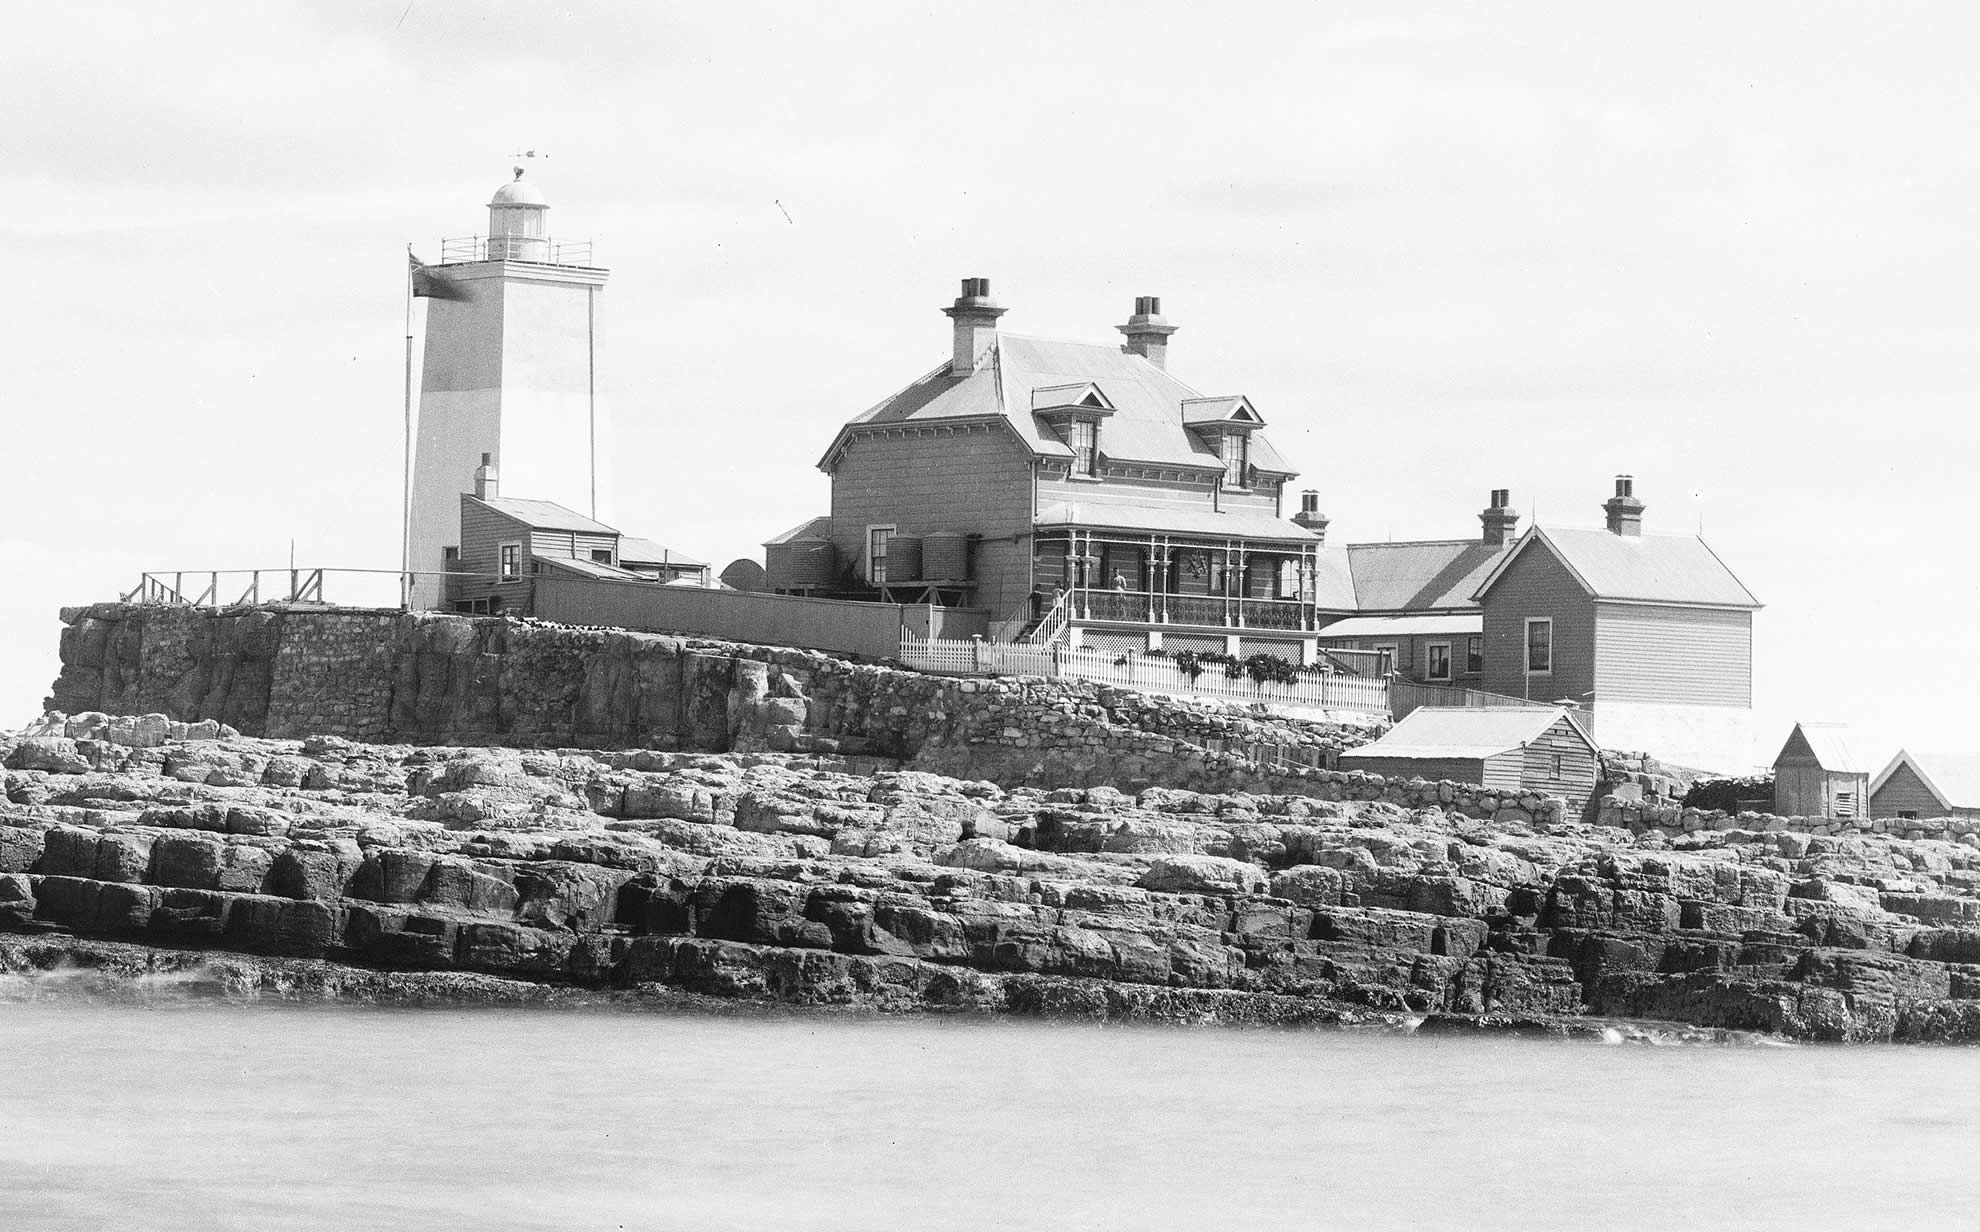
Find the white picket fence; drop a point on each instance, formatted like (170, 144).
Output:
(1310, 697)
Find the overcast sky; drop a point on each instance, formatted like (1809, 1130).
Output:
(1444, 248)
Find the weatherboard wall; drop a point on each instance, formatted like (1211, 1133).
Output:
(1533, 585)
(1671, 655)
(970, 478)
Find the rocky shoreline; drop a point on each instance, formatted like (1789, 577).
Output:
(324, 869)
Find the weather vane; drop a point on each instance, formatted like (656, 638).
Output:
(525, 154)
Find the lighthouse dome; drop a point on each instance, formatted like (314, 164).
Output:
(518, 193)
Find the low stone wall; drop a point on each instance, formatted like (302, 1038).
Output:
(1671, 819)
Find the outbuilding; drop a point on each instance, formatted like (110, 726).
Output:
(1927, 785)
(1510, 748)
(1816, 774)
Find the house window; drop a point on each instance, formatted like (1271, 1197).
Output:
(1560, 766)
(876, 553)
(450, 555)
(1474, 655)
(1288, 579)
(1388, 652)
(1437, 661)
(1085, 446)
(601, 556)
(1235, 448)
(1907, 814)
(1539, 645)
(511, 558)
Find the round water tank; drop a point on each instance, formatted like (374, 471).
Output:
(904, 558)
(812, 563)
(945, 556)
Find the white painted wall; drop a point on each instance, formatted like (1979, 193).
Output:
(507, 372)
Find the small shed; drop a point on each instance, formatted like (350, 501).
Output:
(1511, 748)
(1816, 774)
(1927, 785)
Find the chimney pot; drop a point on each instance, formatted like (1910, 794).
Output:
(1500, 520)
(1624, 511)
(1309, 515)
(1147, 332)
(975, 333)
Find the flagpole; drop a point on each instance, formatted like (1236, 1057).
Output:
(405, 468)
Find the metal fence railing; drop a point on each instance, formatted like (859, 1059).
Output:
(1312, 695)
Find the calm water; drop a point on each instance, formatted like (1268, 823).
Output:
(217, 1117)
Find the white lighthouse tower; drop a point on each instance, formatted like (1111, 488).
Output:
(510, 372)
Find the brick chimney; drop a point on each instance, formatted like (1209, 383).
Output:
(1624, 510)
(1148, 331)
(1501, 520)
(486, 483)
(975, 315)
(1309, 515)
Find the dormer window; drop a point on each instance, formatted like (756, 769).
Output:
(1084, 437)
(1235, 449)
(1074, 412)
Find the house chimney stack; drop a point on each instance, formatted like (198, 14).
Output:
(1309, 515)
(1501, 520)
(1624, 510)
(975, 315)
(1148, 331)
(486, 482)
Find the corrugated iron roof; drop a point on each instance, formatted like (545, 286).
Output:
(647, 552)
(1176, 518)
(1403, 577)
(1403, 626)
(1639, 568)
(546, 515)
(591, 568)
(1147, 424)
(1465, 731)
(1953, 777)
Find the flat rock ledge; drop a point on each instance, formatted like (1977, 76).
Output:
(160, 854)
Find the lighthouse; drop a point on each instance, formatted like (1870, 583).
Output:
(509, 380)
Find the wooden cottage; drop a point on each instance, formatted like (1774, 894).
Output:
(1510, 748)
(1927, 785)
(1816, 775)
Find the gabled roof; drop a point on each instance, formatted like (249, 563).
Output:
(544, 515)
(1080, 396)
(1952, 778)
(646, 552)
(1415, 577)
(1230, 408)
(1467, 732)
(1676, 569)
(1404, 626)
(817, 528)
(1827, 743)
(1147, 424)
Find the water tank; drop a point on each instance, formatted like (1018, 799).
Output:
(904, 558)
(945, 556)
(800, 564)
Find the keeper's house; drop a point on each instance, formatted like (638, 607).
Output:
(1509, 748)
(1076, 485)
